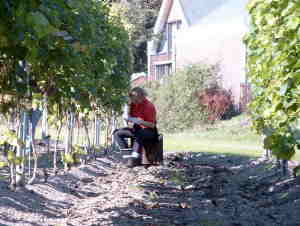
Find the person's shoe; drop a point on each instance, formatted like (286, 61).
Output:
(133, 162)
(125, 149)
(133, 155)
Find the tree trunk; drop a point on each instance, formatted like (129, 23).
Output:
(45, 117)
(97, 129)
(35, 164)
(34, 119)
(13, 182)
(20, 153)
(86, 129)
(55, 149)
(69, 139)
(67, 142)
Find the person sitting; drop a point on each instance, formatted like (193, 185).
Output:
(142, 113)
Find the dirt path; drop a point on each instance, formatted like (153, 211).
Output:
(190, 189)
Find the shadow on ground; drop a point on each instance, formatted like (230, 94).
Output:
(221, 190)
(189, 189)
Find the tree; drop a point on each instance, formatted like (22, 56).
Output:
(139, 18)
(274, 72)
(71, 52)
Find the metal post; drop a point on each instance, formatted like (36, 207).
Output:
(97, 132)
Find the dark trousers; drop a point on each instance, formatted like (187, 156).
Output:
(140, 137)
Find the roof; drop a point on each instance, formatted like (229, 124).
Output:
(199, 11)
(195, 10)
(163, 15)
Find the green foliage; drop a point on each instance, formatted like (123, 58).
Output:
(12, 158)
(73, 50)
(138, 17)
(71, 54)
(9, 141)
(10, 137)
(296, 171)
(79, 150)
(274, 72)
(3, 164)
(176, 99)
(68, 158)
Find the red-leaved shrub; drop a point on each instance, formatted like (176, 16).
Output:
(217, 101)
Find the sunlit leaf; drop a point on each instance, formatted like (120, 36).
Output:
(293, 22)
(11, 156)
(3, 164)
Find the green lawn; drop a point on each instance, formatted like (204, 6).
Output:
(226, 137)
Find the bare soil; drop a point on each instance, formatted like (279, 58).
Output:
(189, 189)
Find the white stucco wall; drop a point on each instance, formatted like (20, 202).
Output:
(218, 38)
(176, 13)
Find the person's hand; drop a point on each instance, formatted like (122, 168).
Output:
(134, 120)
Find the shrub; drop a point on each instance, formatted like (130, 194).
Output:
(177, 105)
(217, 102)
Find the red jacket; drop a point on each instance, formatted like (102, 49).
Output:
(144, 110)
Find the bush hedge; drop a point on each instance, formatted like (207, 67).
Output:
(176, 97)
(218, 103)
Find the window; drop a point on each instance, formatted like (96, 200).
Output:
(162, 43)
(172, 28)
(170, 37)
(166, 38)
(179, 24)
(162, 70)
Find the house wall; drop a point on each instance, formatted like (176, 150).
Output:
(172, 11)
(217, 38)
